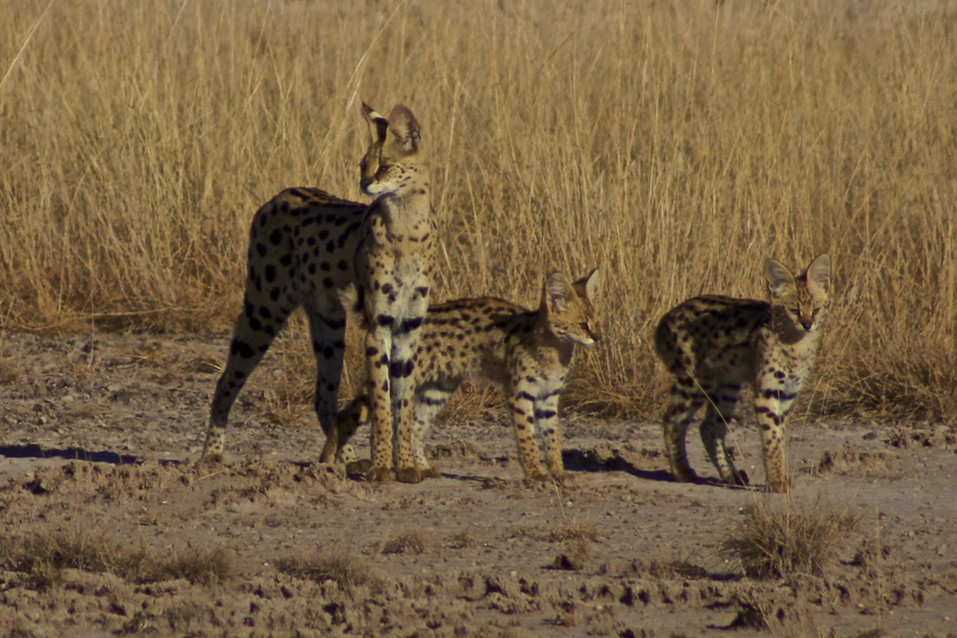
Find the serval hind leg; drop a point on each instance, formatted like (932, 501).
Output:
(714, 430)
(684, 402)
(255, 331)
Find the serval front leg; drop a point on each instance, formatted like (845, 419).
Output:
(405, 340)
(546, 414)
(521, 403)
(327, 327)
(378, 347)
(771, 406)
(429, 401)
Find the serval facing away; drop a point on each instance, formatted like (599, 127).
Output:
(527, 352)
(302, 252)
(713, 345)
(394, 264)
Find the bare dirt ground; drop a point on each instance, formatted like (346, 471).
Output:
(98, 438)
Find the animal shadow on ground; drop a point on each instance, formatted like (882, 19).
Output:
(591, 461)
(34, 451)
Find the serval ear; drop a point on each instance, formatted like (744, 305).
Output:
(779, 278)
(403, 130)
(819, 274)
(378, 125)
(587, 287)
(557, 293)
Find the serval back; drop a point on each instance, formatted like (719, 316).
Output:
(395, 261)
(713, 346)
(302, 252)
(527, 352)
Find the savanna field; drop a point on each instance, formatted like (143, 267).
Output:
(673, 145)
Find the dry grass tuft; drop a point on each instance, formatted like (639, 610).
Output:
(10, 372)
(462, 540)
(198, 565)
(575, 532)
(849, 461)
(662, 567)
(773, 542)
(44, 557)
(346, 571)
(413, 542)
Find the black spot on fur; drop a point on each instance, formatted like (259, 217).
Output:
(242, 349)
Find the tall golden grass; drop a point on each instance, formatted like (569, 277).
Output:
(673, 144)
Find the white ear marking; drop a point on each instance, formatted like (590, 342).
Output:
(819, 272)
(558, 292)
(779, 278)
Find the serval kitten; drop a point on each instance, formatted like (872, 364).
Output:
(394, 266)
(714, 345)
(527, 352)
(303, 245)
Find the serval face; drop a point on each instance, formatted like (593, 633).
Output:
(798, 304)
(394, 152)
(572, 317)
(713, 346)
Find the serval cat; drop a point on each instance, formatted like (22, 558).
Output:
(303, 246)
(713, 345)
(394, 265)
(527, 352)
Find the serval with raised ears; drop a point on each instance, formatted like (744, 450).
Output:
(303, 247)
(394, 263)
(527, 352)
(712, 346)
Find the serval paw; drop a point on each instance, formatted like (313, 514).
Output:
(409, 475)
(365, 470)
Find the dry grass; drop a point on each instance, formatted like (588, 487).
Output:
(575, 532)
(462, 540)
(346, 571)
(673, 144)
(413, 542)
(773, 542)
(44, 557)
(9, 370)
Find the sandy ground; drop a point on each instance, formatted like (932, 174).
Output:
(98, 444)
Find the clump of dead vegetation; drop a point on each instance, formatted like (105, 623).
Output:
(345, 570)
(44, 557)
(413, 542)
(780, 542)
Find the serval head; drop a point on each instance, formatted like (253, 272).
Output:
(798, 303)
(393, 159)
(569, 308)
